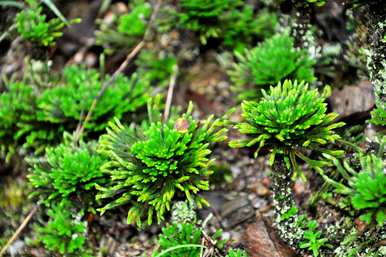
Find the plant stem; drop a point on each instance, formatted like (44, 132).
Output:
(284, 201)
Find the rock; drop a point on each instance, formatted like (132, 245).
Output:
(258, 202)
(266, 181)
(236, 211)
(353, 99)
(260, 189)
(260, 240)
(299, 188)
(360, 225)
(16, 248)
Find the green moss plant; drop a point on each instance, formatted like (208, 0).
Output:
(270, 62)
(245, 27)
(33, 25)
(180, 240)
(186, 239)
(64, 234)
(312, 239)
(16, 104)
(125, 29)
(35, 118)
(203, 16)
(370, 190)
(289, 120)
(365, 188)
(156, 163)
(68, 172)
(65, 103)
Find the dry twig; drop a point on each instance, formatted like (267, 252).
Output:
(169, 97)
(79, 130)
(19, 230)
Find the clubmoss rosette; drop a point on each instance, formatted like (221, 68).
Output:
(156, 163)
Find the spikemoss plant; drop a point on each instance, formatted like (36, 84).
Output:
(153, 164)
(370, 190)
(366, 188)
(65, 103)
(271, 62)
(37, 117)
(68, 172)
(204, 16)
(288, 119)
(312, 239)
(16, 104)
(245, 26)
(185, 237)
(63, 233)
(33, 25)
(125, 29)
(134, 23)
(232, 22)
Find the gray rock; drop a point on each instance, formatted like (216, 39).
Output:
(353, 99)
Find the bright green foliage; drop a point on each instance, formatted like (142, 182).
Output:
(135, 22)
(267, 64)
(63, 234)
(152, 164)
(185, 237)
(36, 119)
(378, 116)
(312, 240)
(155, 68)
(264, 25)
(365, 186)
(65, 104)
(244, 26)
(291, 212)
(289, 118)
(204, 16)
(236, 253)
(16, 104)
(68, 172)
(233, 21)
(370, 190)
(32, 25)
(125, 30)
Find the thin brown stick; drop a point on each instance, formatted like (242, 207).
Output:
(105, 85)
(169, 97)
(79, 130)
(19, 230)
